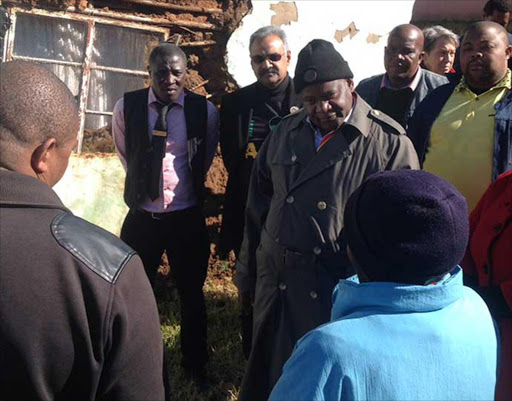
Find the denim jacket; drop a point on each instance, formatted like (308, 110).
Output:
(424, 117)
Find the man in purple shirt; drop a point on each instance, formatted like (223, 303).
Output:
(166, 139)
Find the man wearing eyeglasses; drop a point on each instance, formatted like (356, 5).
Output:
(247, 117)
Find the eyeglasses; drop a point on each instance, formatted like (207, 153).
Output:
(273, 57)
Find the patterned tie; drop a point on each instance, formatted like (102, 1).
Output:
(158, 142)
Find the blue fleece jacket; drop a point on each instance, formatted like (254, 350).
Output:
(390, 341)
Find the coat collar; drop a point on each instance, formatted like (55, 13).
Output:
(19, 190)
(338, 147)
(350, 296)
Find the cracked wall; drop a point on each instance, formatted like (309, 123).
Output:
(358, 32)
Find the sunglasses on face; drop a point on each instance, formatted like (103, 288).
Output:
(273, 57)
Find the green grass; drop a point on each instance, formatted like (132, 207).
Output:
(227, 363)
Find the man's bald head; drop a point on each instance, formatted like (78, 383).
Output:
(35, 105)
(407, 31)
(484, 55)
(403, 54)
(480, 27)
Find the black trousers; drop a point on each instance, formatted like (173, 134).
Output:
(182, 235)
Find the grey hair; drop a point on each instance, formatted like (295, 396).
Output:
(267, 31)
(433, 33)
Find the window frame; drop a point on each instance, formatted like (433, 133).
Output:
(87, 65)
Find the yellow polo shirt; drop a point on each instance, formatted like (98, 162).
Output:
(462, 139)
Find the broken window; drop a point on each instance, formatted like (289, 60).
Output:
(98, 59)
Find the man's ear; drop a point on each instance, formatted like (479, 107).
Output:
(41, 156)
(421, 57)
(508, 51)
(288, 56)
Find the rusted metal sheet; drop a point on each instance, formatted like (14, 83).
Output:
(177, 7)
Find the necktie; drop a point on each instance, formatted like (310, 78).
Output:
(158, 142)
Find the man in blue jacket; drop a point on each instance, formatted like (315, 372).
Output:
(407, 328)
(463, 131)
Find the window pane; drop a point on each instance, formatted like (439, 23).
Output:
(50, 38)
(107, 87)
(71, 76)
(121, 47)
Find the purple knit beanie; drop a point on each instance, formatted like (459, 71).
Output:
(406, 226)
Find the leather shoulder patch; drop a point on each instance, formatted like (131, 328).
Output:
(102, 252)
(383, 119)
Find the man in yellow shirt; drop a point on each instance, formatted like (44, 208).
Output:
(463, 131)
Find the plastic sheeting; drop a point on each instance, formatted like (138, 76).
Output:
(53, 39)
(92, 188)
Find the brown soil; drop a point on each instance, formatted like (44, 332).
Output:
(98, 141)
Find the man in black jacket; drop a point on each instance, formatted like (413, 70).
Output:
(78, 317)
(247, 117)
(405, 84)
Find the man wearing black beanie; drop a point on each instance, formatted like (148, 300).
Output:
(293, 252)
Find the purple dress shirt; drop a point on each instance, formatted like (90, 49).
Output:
(176, 186)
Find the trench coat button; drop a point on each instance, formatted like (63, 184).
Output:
(313, 294)
(290, 199)
(294, 158)
(376, 112)
(317, 250)
(282, 286)
(321, 205)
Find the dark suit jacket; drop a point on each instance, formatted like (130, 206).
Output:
(369, 89)
(235, 118)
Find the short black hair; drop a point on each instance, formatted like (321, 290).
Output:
(166, 49)
(481, 26)
(503, 6)
(35, 105)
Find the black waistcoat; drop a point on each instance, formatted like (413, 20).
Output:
(138, 144)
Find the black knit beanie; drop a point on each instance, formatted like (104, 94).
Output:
(406, 226)
(319, 62)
